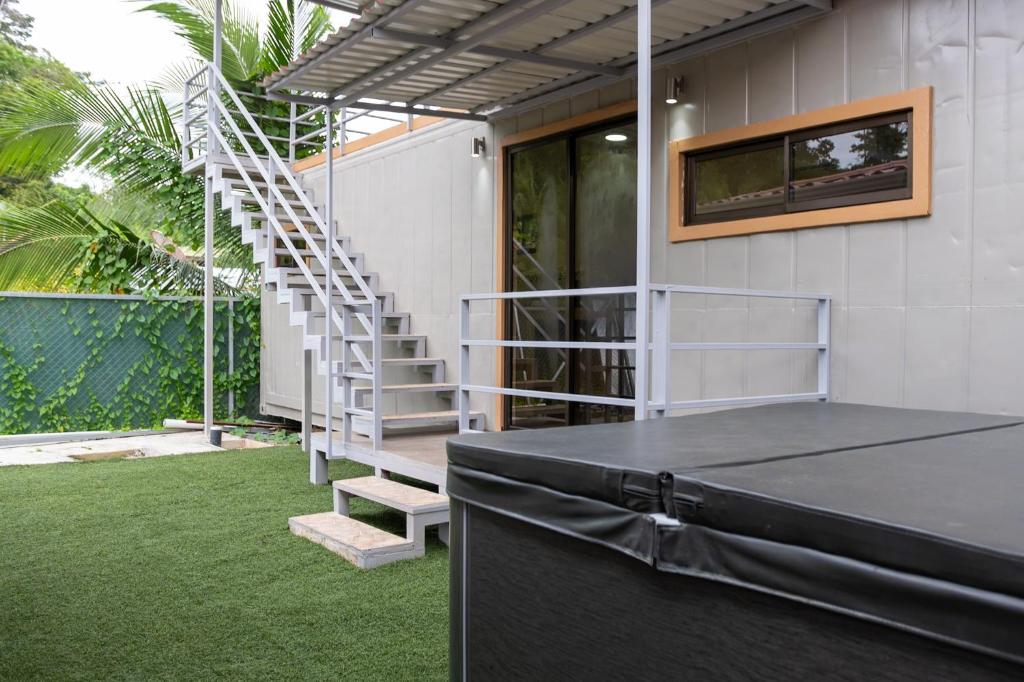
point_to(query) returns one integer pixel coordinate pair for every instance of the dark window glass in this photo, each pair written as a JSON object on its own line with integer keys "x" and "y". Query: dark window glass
{"x": 856, "y": 162}
{"x": 847, "y": 163}
{"x": 744, "y": 180}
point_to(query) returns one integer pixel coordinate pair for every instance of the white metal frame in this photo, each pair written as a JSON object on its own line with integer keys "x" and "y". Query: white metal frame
{"x": 658, "y": 402}
{"x": 230, "y": 134}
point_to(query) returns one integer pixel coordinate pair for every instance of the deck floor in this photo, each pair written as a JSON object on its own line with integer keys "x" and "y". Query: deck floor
{"x": 421, "y": 456}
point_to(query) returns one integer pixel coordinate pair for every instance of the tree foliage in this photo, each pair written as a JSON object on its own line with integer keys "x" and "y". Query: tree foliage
{"x": 53, "y": 120}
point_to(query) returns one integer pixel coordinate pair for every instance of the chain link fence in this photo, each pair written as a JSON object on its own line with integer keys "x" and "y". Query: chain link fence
{"x": 88, "y": 362}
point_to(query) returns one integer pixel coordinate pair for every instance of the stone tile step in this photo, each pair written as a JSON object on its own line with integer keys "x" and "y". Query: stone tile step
{"x": 405, "y": 498}
{"x": 354, "y": 541}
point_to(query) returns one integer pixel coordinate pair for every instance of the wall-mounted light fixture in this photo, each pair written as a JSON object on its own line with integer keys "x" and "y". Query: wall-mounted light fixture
{"x": 674, "y": 89}
{"x": 479, "y": 147}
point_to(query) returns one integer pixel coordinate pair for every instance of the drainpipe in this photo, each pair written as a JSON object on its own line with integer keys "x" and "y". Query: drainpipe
{"x": 213, "y": 92}
{"x": 643, "y": 202}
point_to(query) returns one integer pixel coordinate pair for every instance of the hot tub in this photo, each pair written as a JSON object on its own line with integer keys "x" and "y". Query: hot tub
{"x": 793, "y": 541}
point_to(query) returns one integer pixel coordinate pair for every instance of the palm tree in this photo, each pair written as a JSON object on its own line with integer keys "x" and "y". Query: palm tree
{"x": 131, "y": 138}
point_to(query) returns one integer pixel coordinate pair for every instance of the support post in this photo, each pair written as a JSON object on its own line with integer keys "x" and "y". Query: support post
{"x": 329, "y": 287}
{"x": 307, "y": 400}
{"x": 661, "y": 340}
{"x": 208, "y": 340}
{"x": 209, "y": 208}
{"x": 824, "y": 338}
{"x": 317, "y": 458}
{"x": 231, "y": 354}
{"x": 464, "y": 365}
{"x": 643, "y": 202}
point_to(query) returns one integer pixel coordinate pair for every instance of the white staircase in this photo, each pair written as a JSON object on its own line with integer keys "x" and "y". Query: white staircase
{"x": 383, "y": 380}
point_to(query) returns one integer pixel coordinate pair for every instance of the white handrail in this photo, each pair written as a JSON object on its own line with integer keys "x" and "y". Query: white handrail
{"x": 232, "y": 143}
{"x": 660, "y": 403}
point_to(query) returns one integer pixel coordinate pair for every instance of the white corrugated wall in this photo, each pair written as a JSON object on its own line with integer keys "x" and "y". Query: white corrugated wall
{"x": 928, "y": 312}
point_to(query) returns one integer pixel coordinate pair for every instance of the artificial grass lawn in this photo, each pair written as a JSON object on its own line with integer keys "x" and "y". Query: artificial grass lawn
{"x": 183, "y": 568}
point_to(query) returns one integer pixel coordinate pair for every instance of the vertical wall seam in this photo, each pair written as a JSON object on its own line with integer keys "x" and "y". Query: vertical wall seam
{"x": 905, "y": 224}
{"x": 746, "y": 239}
{"x": 972, "y": 46}
{"x": 793, "y": 269}
{"x": 846, "y": 228}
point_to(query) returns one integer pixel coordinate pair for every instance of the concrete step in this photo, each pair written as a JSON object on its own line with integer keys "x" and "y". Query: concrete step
{"x": 422, "y": 508}
{"x": 355, "y": 541}
{"x": 404, "y": 498}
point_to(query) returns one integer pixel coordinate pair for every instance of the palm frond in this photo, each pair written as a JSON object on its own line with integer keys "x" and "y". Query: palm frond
{"x": 193, "y": 20}
{"x": 59, "y": 247}
{"x": 292, "y": 28}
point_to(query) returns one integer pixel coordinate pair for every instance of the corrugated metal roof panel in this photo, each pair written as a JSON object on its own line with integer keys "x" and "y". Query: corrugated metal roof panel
{"x": 360, "y": 61}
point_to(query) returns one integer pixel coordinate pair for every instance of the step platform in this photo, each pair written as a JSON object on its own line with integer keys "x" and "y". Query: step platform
{"x": 363, "y": 544}
{"x": 355, "y": 541}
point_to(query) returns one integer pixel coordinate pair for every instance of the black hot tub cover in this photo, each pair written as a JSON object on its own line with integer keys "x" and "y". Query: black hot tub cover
{"x": 909, "y": 517}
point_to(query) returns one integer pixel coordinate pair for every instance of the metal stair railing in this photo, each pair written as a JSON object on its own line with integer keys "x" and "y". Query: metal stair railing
{"x": 272, "y": 169}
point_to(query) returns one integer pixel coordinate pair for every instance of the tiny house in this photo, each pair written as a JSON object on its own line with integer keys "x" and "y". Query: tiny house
{"x": 777, "y": 200}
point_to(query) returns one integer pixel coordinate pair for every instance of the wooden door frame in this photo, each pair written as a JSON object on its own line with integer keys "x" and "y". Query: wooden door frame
{"x": 591, "y": 118}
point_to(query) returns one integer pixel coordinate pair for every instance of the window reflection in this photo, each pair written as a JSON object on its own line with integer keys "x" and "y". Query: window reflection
{"x": 745, "y": 180}
{"x": 852, "y": 162}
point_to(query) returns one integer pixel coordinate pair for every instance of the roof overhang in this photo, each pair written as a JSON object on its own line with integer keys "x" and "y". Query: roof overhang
{"x": 486, "y": 59}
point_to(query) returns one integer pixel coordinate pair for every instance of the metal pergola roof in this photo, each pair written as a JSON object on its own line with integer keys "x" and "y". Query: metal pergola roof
{"x": 485, "y": 58}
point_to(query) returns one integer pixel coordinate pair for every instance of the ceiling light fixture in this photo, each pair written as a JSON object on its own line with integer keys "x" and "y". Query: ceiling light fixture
{"x": 615, "y": 137}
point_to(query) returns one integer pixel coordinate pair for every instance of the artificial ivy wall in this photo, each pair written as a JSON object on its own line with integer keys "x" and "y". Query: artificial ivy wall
{"x": 112, "y": 363}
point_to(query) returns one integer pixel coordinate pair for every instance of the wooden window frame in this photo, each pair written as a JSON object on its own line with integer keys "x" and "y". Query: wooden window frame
{"x": 918, "y": 102}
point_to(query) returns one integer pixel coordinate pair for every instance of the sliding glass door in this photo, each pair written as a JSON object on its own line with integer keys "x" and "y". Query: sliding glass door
{"x": 571, "y": 204}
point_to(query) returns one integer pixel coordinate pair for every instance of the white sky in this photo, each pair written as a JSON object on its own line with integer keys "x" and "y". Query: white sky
{"x": 115, "y": 42}
{"x": 111, "y": 39}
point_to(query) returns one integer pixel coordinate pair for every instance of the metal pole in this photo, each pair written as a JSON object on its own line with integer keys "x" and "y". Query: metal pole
{"x": 328, "y": 288}
{"x": 231, "y": 354}
{"x": 213, "y": 91}
{"x": 643, "y": 201}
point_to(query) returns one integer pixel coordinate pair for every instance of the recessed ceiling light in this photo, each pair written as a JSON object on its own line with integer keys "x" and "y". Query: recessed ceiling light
{"x": 615, "y": 137}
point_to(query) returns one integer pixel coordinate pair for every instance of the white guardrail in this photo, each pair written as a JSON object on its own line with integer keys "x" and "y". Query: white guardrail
{"x": 659, "y": 403}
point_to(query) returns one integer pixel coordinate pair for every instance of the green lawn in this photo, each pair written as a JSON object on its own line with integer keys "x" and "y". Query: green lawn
{"x": 183, "y": 568}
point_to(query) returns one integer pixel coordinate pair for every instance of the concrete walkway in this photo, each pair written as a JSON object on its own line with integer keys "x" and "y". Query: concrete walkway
{"x": 158, "y": 445}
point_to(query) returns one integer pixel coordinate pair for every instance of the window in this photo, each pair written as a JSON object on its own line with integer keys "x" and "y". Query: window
{"x": 852, "y": 163}
{"x": 856, "y": 162}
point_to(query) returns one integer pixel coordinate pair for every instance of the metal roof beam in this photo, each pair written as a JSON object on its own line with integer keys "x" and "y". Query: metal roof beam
{"x": 541, "y": 8}
{"x": 728, "y": 33}
{"x": 359, "y": 36}
{"x": 376, "y": 106}
{"x": 600, "y": 25}
{"x": 497, "y": 52}
{"x": 508, "y": 7}
{"x": 350, "y": 6}
{"x": 405, "y": 109}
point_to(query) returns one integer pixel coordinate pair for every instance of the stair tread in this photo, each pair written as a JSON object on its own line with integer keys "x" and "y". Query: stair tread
{"x": 343, "y": 532}
{"x": 414, "y": 416}
{"x": 411, "y": 361}
{"x": 410, "y": 387}
{"x": 405, "y": 498}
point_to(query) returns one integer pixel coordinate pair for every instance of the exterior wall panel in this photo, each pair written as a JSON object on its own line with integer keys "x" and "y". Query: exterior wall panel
{"x": 928, "y": 312}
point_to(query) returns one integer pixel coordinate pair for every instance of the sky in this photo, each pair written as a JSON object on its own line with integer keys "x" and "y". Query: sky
{"x": 111, "y": 39}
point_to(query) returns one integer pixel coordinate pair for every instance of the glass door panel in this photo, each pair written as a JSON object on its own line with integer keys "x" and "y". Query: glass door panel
{"x": 572, "y": 224}
{"x": 604, "y": 255}
{"x": 539, "y": 256}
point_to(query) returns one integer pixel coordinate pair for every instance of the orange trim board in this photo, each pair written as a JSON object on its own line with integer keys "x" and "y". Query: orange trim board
{"x": 918, "y": 101}
{"x": 367, "y": 142}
